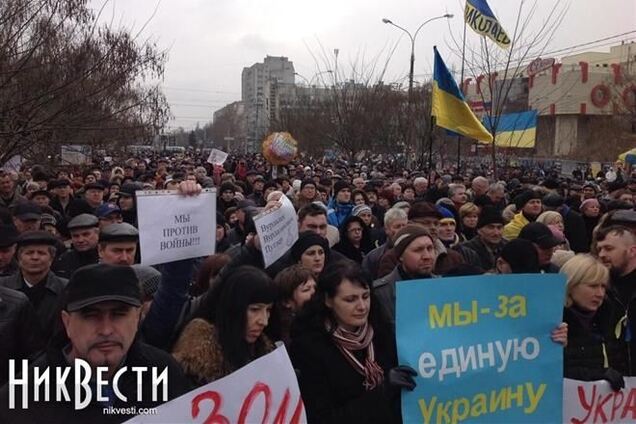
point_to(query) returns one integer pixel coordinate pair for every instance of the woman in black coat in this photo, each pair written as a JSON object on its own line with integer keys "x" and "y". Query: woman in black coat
{"x": 355, "y": 239}
{"x": 344, "y": 357}
{"x": 593, "y": 351}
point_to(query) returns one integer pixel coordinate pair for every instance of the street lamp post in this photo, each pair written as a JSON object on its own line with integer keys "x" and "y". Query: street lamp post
{"x": 412, "y": 37}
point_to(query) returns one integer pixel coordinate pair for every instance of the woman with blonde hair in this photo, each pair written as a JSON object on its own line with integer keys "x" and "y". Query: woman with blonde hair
{"x": 593, "y": 351}
{"x": 554, "y": 221}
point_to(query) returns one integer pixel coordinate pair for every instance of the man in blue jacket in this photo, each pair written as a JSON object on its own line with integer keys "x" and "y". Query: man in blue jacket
{"x": 340, "y": 205}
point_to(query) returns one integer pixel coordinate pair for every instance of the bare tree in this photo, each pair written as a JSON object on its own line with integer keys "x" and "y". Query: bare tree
{"x": 504, "y": 69}
{"x": 65, "y": 79}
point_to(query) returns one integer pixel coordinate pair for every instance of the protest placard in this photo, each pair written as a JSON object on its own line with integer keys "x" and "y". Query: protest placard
{"x": 482, "y": 349}
{"x": 217, "y": 157}
{"x": 265, "y": 390}
{"x": 277, "y": 231}
{"x": 174, "y": 227}
{"x": 596, "y": 402}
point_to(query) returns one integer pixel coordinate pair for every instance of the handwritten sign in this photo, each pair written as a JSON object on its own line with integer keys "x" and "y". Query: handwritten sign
{"x": 277, "y": 231}
{"x": 596, "y": 402}
{"x": 174, "y": 227}
{"x": 265, "y": 390}
{"x": 482, "y": 348}
{"x": 217, "y": 157}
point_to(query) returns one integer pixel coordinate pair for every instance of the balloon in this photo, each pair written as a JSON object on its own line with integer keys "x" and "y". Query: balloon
{"x": 280, "y": 148}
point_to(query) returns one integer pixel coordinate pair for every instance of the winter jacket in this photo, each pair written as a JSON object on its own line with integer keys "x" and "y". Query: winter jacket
{"x": 487, "y": 254}
{"x": 331, "y": 388}
{"x": 592, "y": 345}
{"x": 19, "y": 330}
{"x": 200, "y": 353}
{"x": 139, "y": 355}
{"x": 69, "y": 261}
{"x": 338, "y": 213}
{"x": 47, "y": 305}
{"x": 384, "y": 292}
{"x": 513, "y": 228}
{"x": 622, "y": 298}
{"x": 575, "y": 230}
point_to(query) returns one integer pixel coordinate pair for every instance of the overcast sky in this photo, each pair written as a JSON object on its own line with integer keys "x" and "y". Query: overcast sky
{"x": 210, "y": 41}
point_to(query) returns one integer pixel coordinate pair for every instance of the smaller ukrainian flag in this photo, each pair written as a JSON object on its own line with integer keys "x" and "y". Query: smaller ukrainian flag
{"x": 449, "y": 106}
{"x": 517, "y": 130}
{"x": 480, "y": 18}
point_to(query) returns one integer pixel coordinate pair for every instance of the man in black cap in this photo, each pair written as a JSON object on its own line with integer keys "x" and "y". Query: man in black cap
{"x": 226, "y": 197}
{"x": 27, "y": 216}
{"x": 101, "y": 313}
{"x": 36, "y": 252}
{"x": 237, "y": 234}
{"x": 545, "y": 243}
{"x": 84, "y": 237}
{"x": 8, "y": 239}
{"x": 489, "y": 240}
{"x": 62, "y": 195}
{"x": 573, "y": 223}
{"x": 94, "y": 194}
{"x": 118, "y": 244}
{"x": 529, "y": 207}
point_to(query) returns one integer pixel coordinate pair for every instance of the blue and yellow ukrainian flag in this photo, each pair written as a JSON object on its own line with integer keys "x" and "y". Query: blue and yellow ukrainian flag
{"x": 449, "y": 106}
{"x": 517, "y": 130}
{"x": 480, "y": 18}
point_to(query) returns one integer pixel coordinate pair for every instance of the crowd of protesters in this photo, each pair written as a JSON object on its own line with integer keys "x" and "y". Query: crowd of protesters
{"x": 70, "y": 285}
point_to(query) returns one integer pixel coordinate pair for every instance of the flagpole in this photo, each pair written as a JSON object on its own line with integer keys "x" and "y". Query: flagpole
{"x": 461, "y": 82}
{"x": 430, "y": 149}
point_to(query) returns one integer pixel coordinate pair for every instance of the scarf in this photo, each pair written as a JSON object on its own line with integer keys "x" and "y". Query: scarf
{"x": 350, "y": 341}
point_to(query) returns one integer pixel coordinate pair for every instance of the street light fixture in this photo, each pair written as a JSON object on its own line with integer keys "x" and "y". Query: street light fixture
{"x": 412, "y": 37}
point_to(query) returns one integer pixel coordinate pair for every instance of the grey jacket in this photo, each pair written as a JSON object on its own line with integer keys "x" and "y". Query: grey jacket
{"x": 384, "y": 294}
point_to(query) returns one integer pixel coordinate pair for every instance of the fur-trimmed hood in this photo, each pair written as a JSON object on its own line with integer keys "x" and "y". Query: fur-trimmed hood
{"x": 200, "y": 354}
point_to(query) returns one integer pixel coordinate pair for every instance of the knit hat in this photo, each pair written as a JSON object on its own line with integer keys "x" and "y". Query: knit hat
{"x": 589, "y": 203}
{"x": 524, "y": 197}
{"x": 306, "y": 239}
{"x": 521, "y": 256}
{"x": 490, "y": 215}
{"x": 358, "y": 209}
{"x": 424, "y": 210}
{"x": 149, "y": 279}
{"x": 406, "y": 235}
{"x": 340, "y": 185}
{"x": 446, "y": 214}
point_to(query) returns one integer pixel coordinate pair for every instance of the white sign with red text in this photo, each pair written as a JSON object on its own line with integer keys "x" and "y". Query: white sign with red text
{"x": 263, "y": 391}
{"x": 596, "y": 402}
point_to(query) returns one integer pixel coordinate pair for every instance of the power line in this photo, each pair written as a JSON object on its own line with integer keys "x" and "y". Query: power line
{"x": 199, "y": 90}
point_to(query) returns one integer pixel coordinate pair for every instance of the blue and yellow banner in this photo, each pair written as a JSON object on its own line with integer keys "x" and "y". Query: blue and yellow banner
{"x": 517, "y": 130}
{"x": 449, "y": 106}
{"x": 482, "y": 349}
{"x": 480, "y": 18}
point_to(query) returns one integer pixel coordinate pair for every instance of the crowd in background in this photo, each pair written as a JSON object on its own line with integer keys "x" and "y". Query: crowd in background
{"x": 69, "y": 255}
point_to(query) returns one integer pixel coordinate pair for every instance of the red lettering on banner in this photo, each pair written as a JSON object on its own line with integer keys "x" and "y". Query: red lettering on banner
{"x": 600, "y": 412}
{"x": 217, "y": 400}
{"x": 282, "y": 409}
{"x": 588, "y": 407}
{"x": 630, "y": 405}
{"x": 617, "y": 403}
{"x": 298, "y": 412}
{"x": 251, "y": 397}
